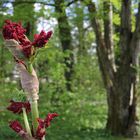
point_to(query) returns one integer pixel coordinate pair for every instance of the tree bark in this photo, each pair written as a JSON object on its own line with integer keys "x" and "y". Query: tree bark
{"x": 120, "y": 82}
{"x": 65, "y": 39}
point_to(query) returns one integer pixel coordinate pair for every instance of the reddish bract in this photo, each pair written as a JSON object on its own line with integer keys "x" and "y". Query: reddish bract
{"x": 12, "y": 30}
{"x": 41, "y": 39}
{"x": 42, "y": 124}
{"x": 15, "y": 31}
{"x": 16, "y": 126}
{"x": 16, "y": 107}
{"x": 49, "y": 118}
{"x": 41, "y": 129}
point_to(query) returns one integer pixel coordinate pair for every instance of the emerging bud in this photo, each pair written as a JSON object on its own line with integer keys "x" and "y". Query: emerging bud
{"x": 12, "y": 30}
{"x": 41, "y": 39}
{"x": 15, "y": 31}
{"x": 40, "y": 133}
{"x": 16, "y": 107}
{"x": 16, "y": 126}
{"x": 44, "y": 123}
{"x": 49, "y": 118}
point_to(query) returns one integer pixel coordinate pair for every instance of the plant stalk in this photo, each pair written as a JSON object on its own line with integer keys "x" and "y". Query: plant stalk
{"x": 35, "y": 114}
{"x": 26, "y": 122}
{"x": 29, "y": 67}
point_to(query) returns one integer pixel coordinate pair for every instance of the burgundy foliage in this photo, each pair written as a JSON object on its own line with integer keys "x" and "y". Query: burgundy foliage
{"x": 41, "y": 39}
{"x": 49, "y": 118}
{"x": 41, "y": 129}
{"x": 42, "y": 124}
{"x": 16, "y": 126}
{"x": 12, "y": 30}
{"x": 16, "y": 107}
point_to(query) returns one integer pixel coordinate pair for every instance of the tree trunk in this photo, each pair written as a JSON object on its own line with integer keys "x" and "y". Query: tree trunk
{"x": 65, "y": 39}
{"x": 121, "y": 81}
{"x": 122, "y": 107}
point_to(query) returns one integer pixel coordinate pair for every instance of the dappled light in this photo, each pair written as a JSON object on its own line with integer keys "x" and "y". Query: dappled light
{"x": 69, "y": 69}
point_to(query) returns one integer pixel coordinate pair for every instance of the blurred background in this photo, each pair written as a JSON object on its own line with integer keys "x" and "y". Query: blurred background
{"x": 68, "y": 71}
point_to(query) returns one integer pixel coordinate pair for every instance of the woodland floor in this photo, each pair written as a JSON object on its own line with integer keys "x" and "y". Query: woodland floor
{"x": 82, "y": 116}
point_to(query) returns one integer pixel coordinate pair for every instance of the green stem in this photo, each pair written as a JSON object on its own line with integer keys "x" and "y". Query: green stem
{"x": 29, "y": 67}
{"x": 35, "y": 115}
{"x": 27, "y": 126}
{"x": 43, "y": 138}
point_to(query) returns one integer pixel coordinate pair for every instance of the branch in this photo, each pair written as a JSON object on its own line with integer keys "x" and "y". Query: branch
{"x": 94, "y": 21}
{"x": 105, "y": 63}
{"x": 135, "y": 44}
{"x": 28, "y": 2}
{"x": 125, "y": 34}
{"x": 108, "y": 30}
{"x": 33, "y": 2}
{"x": 73, "y": 1}
{"x": 126, "y": 14}
{"x": 137, "y": 30}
